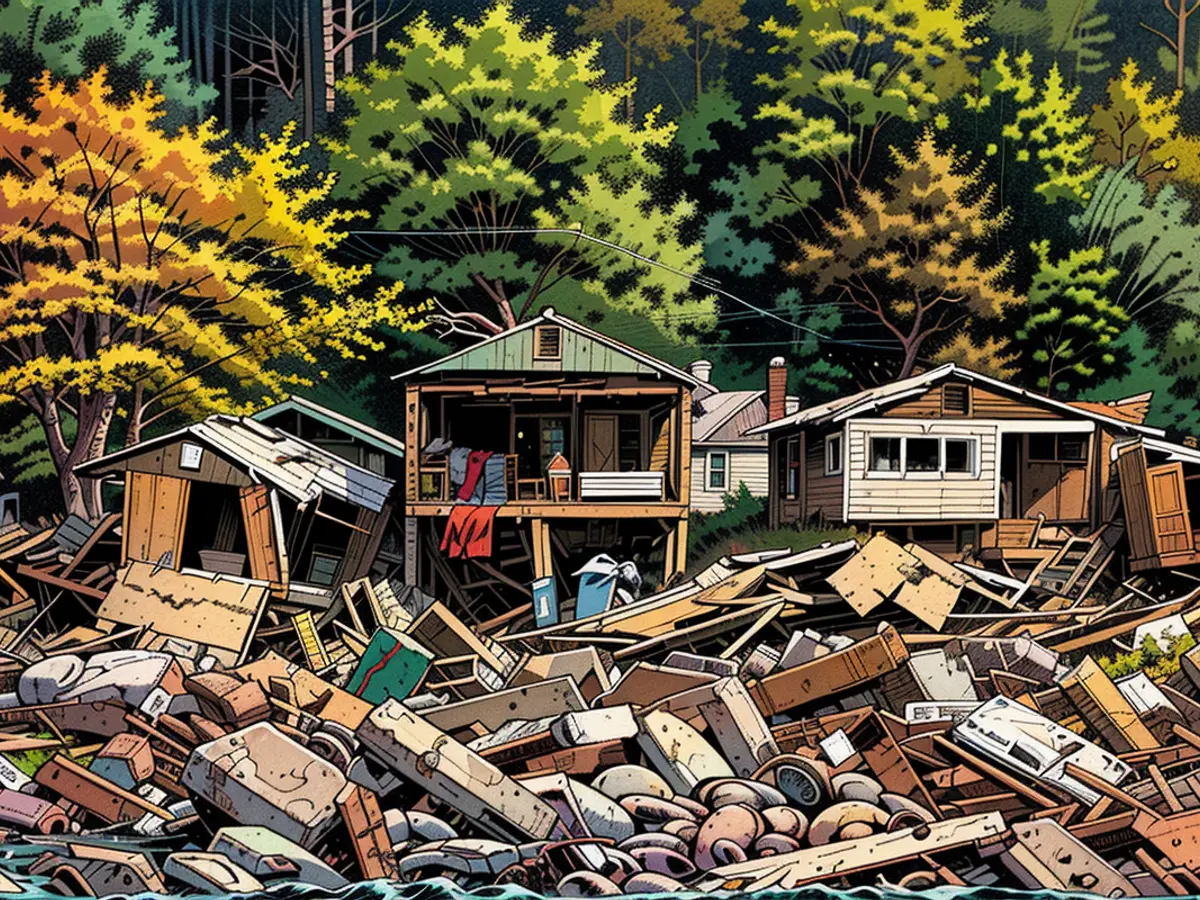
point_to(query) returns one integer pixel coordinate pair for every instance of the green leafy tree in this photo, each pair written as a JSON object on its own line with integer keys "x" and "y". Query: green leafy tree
{"x": 912, "y": 255}
{"x": 1173, "y": 404}
{"x": 713, "y": 23}
{"x": 1036, "y": 125}
{"x": 851, "y": 69}
{"x": 643, "y": 29}
{"x": 125, "y": 38}
{"x": 1070, "y": 333}
{"x": 1074, "y": 33}
{"x": 482, "y": 133}
{"x": 1150, "y": 238}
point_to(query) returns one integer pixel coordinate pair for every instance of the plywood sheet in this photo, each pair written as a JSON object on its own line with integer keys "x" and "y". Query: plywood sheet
{"x": 220, "y": 610}
{"x": 873, "y": 575}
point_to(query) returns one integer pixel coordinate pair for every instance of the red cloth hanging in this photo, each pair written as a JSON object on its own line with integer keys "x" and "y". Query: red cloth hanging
{"x": 469, "y": 532}
{"x": 475, "y": 464}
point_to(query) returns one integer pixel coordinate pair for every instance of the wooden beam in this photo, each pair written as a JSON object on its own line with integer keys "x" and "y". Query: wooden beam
{"x": 543, "y": 553}
{"x": 546, "y": 509}
{"x": 105, "y": 525}
{"x": 59, "y": 582}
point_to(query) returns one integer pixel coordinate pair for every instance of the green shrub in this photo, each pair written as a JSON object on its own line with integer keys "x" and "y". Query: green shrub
{"x": 1149, "y": 658}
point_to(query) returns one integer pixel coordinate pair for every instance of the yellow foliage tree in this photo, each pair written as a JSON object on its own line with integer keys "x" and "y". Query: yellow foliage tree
{"x": 144, "y": 274}
{"x": 1136, "y": 123}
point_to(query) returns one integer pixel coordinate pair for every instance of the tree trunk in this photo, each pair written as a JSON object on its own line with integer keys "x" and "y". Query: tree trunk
{"x": 328, "y": 62}
{"x": 81, "y": 496}
{"x": 228, "y": 61}
{"x": 699, "y": 78}
{"x": 629, "y": 66}
{"x": 1180, "y": 43}
{"x": 348, "y": 53}
{"x": 210, "y": 42}
{"x": 194, "y": 49}
{"x": 374, "y": 29}
{"x": 310, "y": 90}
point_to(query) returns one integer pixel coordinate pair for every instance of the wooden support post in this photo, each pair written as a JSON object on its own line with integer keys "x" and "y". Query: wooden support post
{"x": 676, "y": 551}
{"x": 543, "y": 554}
{"x": 412, "y": 444}
{"x": 684, "y": 436}
{"x": 412, "y": 555}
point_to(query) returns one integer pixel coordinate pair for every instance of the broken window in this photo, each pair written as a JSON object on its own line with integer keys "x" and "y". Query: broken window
{"x": 718, "y": 471}
{"x": 322, "y": 568}
{"x": 1058, "y": 447}
{"x": 833, "y": 454}
{"x": 885, "y": 454}
{"x": 924, "y": 455}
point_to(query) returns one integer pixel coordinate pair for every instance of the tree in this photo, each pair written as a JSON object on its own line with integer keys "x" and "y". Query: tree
{"x": 1070, "y": 332}
{"x": 911, "y": 255}
{"x": 1038, "y": 127}
{"x": 1070, "y": 31}
{"x": 857, "y": 67}
{"x": 1135, "y": 124}
{"x": 137, "y": 282}
{"x": 481, "y": 135}
{"x": 1176, "y": 46}
{"x": 1151, "y": 239}
{"x": 72, "y": 41}
{"x": 641, "y": 28}
{"x": 714, "y": 23}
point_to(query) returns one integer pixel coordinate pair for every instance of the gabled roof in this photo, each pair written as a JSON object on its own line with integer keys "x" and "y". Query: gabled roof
{"x": 726, "y": 416}
{"x": 334, "y": 419}
{"x": 584, "y": 350}
{"x": 873, "y": 398}
{"x": 297, "y": 468}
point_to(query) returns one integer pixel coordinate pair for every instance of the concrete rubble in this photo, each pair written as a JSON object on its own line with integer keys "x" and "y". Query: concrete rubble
{"x": 860, "y": 713}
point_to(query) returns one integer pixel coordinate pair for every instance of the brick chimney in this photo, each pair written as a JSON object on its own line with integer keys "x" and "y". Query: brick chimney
{"x": 777, "y": 377}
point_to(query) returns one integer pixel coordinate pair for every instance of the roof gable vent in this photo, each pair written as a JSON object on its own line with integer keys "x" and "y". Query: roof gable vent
{"x": 547, "y": 343}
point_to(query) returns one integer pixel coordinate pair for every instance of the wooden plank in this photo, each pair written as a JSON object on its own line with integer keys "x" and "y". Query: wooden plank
{"x": 58, "y": 582}
{"x": 262, "y": 542}
{"x": 995, "y": 773}
{"x": 368, "y": 833}
{"x": 1104, "y": 708}
{"x": 106, "y": 525}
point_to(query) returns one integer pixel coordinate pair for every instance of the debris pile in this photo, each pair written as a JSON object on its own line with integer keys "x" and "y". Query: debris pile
{"x": 850, "y": 714}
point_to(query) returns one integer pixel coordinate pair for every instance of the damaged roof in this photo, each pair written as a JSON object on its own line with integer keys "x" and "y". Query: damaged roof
{"x": 726, "y": 416}
{"x": 334, "y": 419}
{"x": 299, "y": 469}
{"x": 873, "y": 398}
{"x": 582, "y": 350}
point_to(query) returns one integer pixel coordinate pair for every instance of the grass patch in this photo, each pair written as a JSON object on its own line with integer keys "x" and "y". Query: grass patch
{"x": 1156, "y": 662}
{"x": 742, "y": 528}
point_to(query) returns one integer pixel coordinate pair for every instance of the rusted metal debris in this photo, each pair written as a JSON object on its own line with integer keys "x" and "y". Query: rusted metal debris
{"x": 849, "y": 714}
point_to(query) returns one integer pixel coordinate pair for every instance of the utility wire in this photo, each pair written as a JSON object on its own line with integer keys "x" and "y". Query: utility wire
{"x": 579, "y": 234}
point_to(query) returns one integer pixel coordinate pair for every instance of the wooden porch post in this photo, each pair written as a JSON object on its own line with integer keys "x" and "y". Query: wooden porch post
{"x": 543, "y": 559}
{"x": 685, "y": 450}
{"x": 676, "y": 551}
{"x": 412, "y": 482}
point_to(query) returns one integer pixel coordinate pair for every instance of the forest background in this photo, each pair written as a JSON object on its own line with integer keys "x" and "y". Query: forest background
{"x": 207, "y": 204}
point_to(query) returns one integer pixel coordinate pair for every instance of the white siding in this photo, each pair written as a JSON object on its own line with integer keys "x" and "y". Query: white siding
{"x": 872, "y": 497}
{"x": 748, "y": 466}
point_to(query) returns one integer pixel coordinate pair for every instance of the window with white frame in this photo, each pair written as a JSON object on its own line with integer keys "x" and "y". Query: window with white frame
{"x": 718, "y": 471}
{"x": 833, "y": 454}
{"x": 923, "y": 457}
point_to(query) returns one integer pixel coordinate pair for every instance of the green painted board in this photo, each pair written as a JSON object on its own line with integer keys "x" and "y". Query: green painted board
{"x": 391, "y": 667}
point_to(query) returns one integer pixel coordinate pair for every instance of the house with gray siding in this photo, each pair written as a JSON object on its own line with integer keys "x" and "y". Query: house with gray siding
{"x": 724, "y": 456}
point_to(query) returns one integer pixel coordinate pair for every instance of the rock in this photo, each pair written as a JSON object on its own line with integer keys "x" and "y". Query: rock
{"x": 655, "y": 810}
{"x": 652, "y": 883}
{"x": 586, "y": 884}
{"x": 655, "y": 839}
{"x": 726, "y": 852}
{"x": 898, "y": 803}
{"x": 735, "y": 790}
{"x": 405, "y": 825}
{"x": 663, "y": 861}
{"x": 856, "y": 786}
{"x": 684, "y": 829}
{"x": 738, "y": 824}
{"x": 621, "y": 781}
{"x": 604, "y": 817}
{"x": 786, "y": 820}
{"x": 831, "y": 821}
{"x": 773, "y": 844}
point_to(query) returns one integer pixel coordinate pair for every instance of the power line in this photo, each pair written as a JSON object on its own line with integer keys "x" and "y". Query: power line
{"x": 705, "y": 282}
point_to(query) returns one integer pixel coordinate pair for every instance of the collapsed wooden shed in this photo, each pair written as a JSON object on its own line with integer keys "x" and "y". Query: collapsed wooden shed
{"x": 233, "y": 496}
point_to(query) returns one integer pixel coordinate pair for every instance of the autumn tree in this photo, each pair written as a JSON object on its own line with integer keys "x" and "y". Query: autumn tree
{"x": 1070, "y": 334}
{"x": 143, "y": 274}
{"x": 712, "y": 24}
{"x": 911, "y": 254}
{"x": 643, "y": 29}
{"x": 1136, "y": 123}
{"x": 75, "y": 40}
{"x": 852, "y": 69}
{"x": 482, "y": 136}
